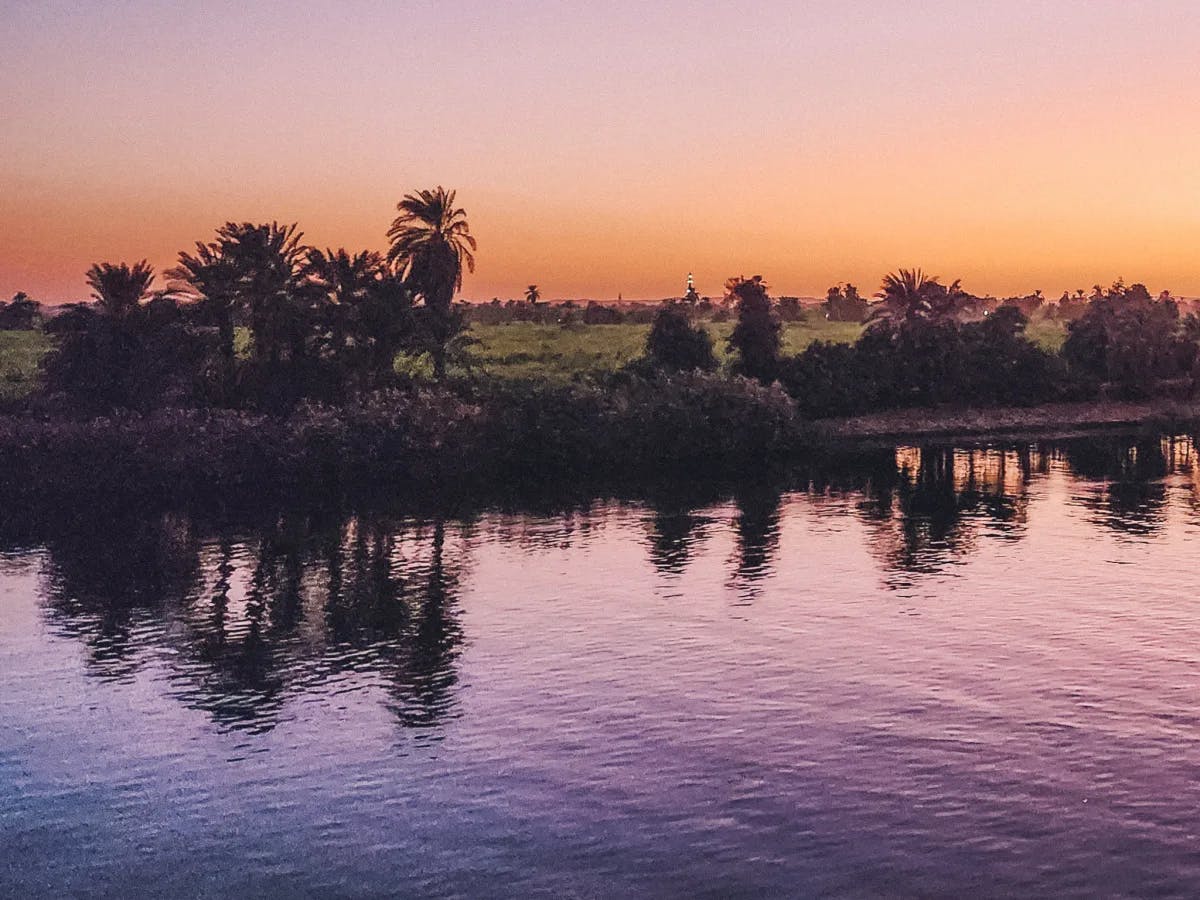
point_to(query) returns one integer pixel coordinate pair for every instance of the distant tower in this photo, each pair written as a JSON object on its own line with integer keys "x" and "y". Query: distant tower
{"x": 691, "y": 296}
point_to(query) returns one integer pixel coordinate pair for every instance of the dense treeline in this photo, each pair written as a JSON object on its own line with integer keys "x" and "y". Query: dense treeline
{"x": 928, "y": 344}
{"x": 321, "y": 324}
{"x": 267, "y": 361}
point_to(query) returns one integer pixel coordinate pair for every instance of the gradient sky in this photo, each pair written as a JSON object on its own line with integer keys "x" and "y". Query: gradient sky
{"x": 610, "y": 147}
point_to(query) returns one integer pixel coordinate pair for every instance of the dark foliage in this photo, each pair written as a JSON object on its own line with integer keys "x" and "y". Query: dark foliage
{"x": 676, "y": 343}
{"x": 924, "y": 362}
{"x": 20, "y": 313}
{"x": 827, "y": 380}
{"x": 790, "y": 310}
{"x": 431, "y": 243}
{"x": 756, "y": 337}
{"x": 842, "y": 304}
{"x": 143, "y": 359}
{"x": 413, "y": 441}
{"x": 1131, "y": 342}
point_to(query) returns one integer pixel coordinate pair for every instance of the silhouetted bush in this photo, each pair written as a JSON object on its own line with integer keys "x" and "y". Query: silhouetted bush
{"x": 844, "y": 305}
{"x": 599, "y": 314}
{"x": 146, "y": 359}
{"x": 922, "y": 362}
{"x": 1001, "y": 365}
{"x": 1130, "y": 341}
{"x": 756, "y": 337}
{"x": 20, "y": 314}
{"x": 676, "y": 343}
{"x": 790, "y": 310}
{"x": 418, "y": 441}
{"x": 827, "y": 379}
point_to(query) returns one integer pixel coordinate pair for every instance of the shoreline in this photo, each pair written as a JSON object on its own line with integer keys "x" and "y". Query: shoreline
{"x": 450, "y": 448}
{"x": 1048, "y": 421}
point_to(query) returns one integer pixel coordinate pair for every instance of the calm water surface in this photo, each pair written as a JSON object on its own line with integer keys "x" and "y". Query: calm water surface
{"x": 930, "y": 672}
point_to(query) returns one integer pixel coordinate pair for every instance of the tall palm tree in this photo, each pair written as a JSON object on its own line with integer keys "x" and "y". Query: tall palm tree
{"x": 430, "y": 242}
{"x": 119, "y": 289}
{"x": 532, "y": 294}
{"x": 266, "y": 261}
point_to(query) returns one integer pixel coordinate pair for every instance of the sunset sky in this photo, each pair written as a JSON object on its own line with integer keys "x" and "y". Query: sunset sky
{"x": 610, "y": 147}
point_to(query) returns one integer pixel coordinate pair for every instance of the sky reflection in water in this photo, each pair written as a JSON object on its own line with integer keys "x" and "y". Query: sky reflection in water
{"x": 922, "y": 670}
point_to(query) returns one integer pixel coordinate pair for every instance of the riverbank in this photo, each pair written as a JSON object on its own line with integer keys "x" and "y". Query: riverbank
{"x": 1049, "y": 420}
{"x": 494, "y": 440}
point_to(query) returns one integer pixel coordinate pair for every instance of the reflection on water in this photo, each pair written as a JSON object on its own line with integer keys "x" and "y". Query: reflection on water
{"x": 919, "y": 670}
{"x": 245, "y": 622}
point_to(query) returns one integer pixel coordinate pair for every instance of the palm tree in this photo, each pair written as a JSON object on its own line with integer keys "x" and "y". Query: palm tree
{"x": 253, "y": 269}
{"x": 430, "y": 242}
{"x": 207, "y": 279}
{"x": 910, "y": 294}
{"x": 266, "y": 262}
{"x": 368, "y": 307}
{"x": 532, "y": 294}
{"x": 119, "y": 289}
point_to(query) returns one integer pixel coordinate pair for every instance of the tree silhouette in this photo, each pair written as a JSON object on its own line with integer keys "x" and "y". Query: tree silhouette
{"x": 20, "y": 314}
{"x": 674, "y": 342}
{"x": 119, "y": 289}
{"x": 266, "y": 261}
{"x": 366, "y": 310}
{"x": 844, "y": 304}
{"x": 532, "y": 294}
{"x": 756, "y": 337}
{"x": 430, "y": 242}
{"x": 207, "y": 278}
{"x": 910, "y": 294}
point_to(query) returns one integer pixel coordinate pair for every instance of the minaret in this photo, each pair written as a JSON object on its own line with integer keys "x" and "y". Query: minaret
{"x": 691, "y": 296}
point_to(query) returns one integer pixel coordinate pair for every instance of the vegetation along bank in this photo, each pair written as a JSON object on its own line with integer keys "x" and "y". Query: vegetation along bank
{"x": 264, "y": 363}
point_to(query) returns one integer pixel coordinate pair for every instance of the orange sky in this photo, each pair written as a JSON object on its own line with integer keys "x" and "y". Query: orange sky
{"x": 598, "y": 151}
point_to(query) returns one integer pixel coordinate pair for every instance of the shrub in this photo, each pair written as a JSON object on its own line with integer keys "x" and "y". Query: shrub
{"x": 1129, "y": 340}
{"x": 756, "y": 337}
{"x": 844, "y": 305}
{"x": 925, "y": 362}
{"x": 1001, "y": 365}
{"x": 20, "y": 314}
{"x": 826, "y": 380}
{"x": 675, "y": 343}
{"x": 145, "y": 359}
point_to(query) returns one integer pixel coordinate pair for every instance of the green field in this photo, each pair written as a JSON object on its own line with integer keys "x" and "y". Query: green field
{"x": 515, "y": 350}
{"x": 20, "y": 352}
{"x": 525, "y": 350}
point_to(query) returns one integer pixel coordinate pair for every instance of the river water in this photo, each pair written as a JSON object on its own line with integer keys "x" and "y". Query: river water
{"x": 931, "y": 671}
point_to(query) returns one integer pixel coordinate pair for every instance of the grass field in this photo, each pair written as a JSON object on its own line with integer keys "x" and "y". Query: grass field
{"x": 525, "y": 350}
{"x": 20, "y": 352}
{"x": 516, "y": 350}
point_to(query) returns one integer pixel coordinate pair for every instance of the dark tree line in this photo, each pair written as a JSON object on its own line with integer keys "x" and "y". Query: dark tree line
{"x": 320, "y": 323}
{"x": 20, "y": 313}
{"x": 927, "y": 344}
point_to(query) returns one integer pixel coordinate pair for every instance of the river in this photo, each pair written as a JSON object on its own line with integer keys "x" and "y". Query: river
{"x": 933, "y": 671}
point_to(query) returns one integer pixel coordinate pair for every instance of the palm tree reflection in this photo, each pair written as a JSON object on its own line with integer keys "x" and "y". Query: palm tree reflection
{"x": 243, "y": 626}
{"x": 110, "y": 581}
